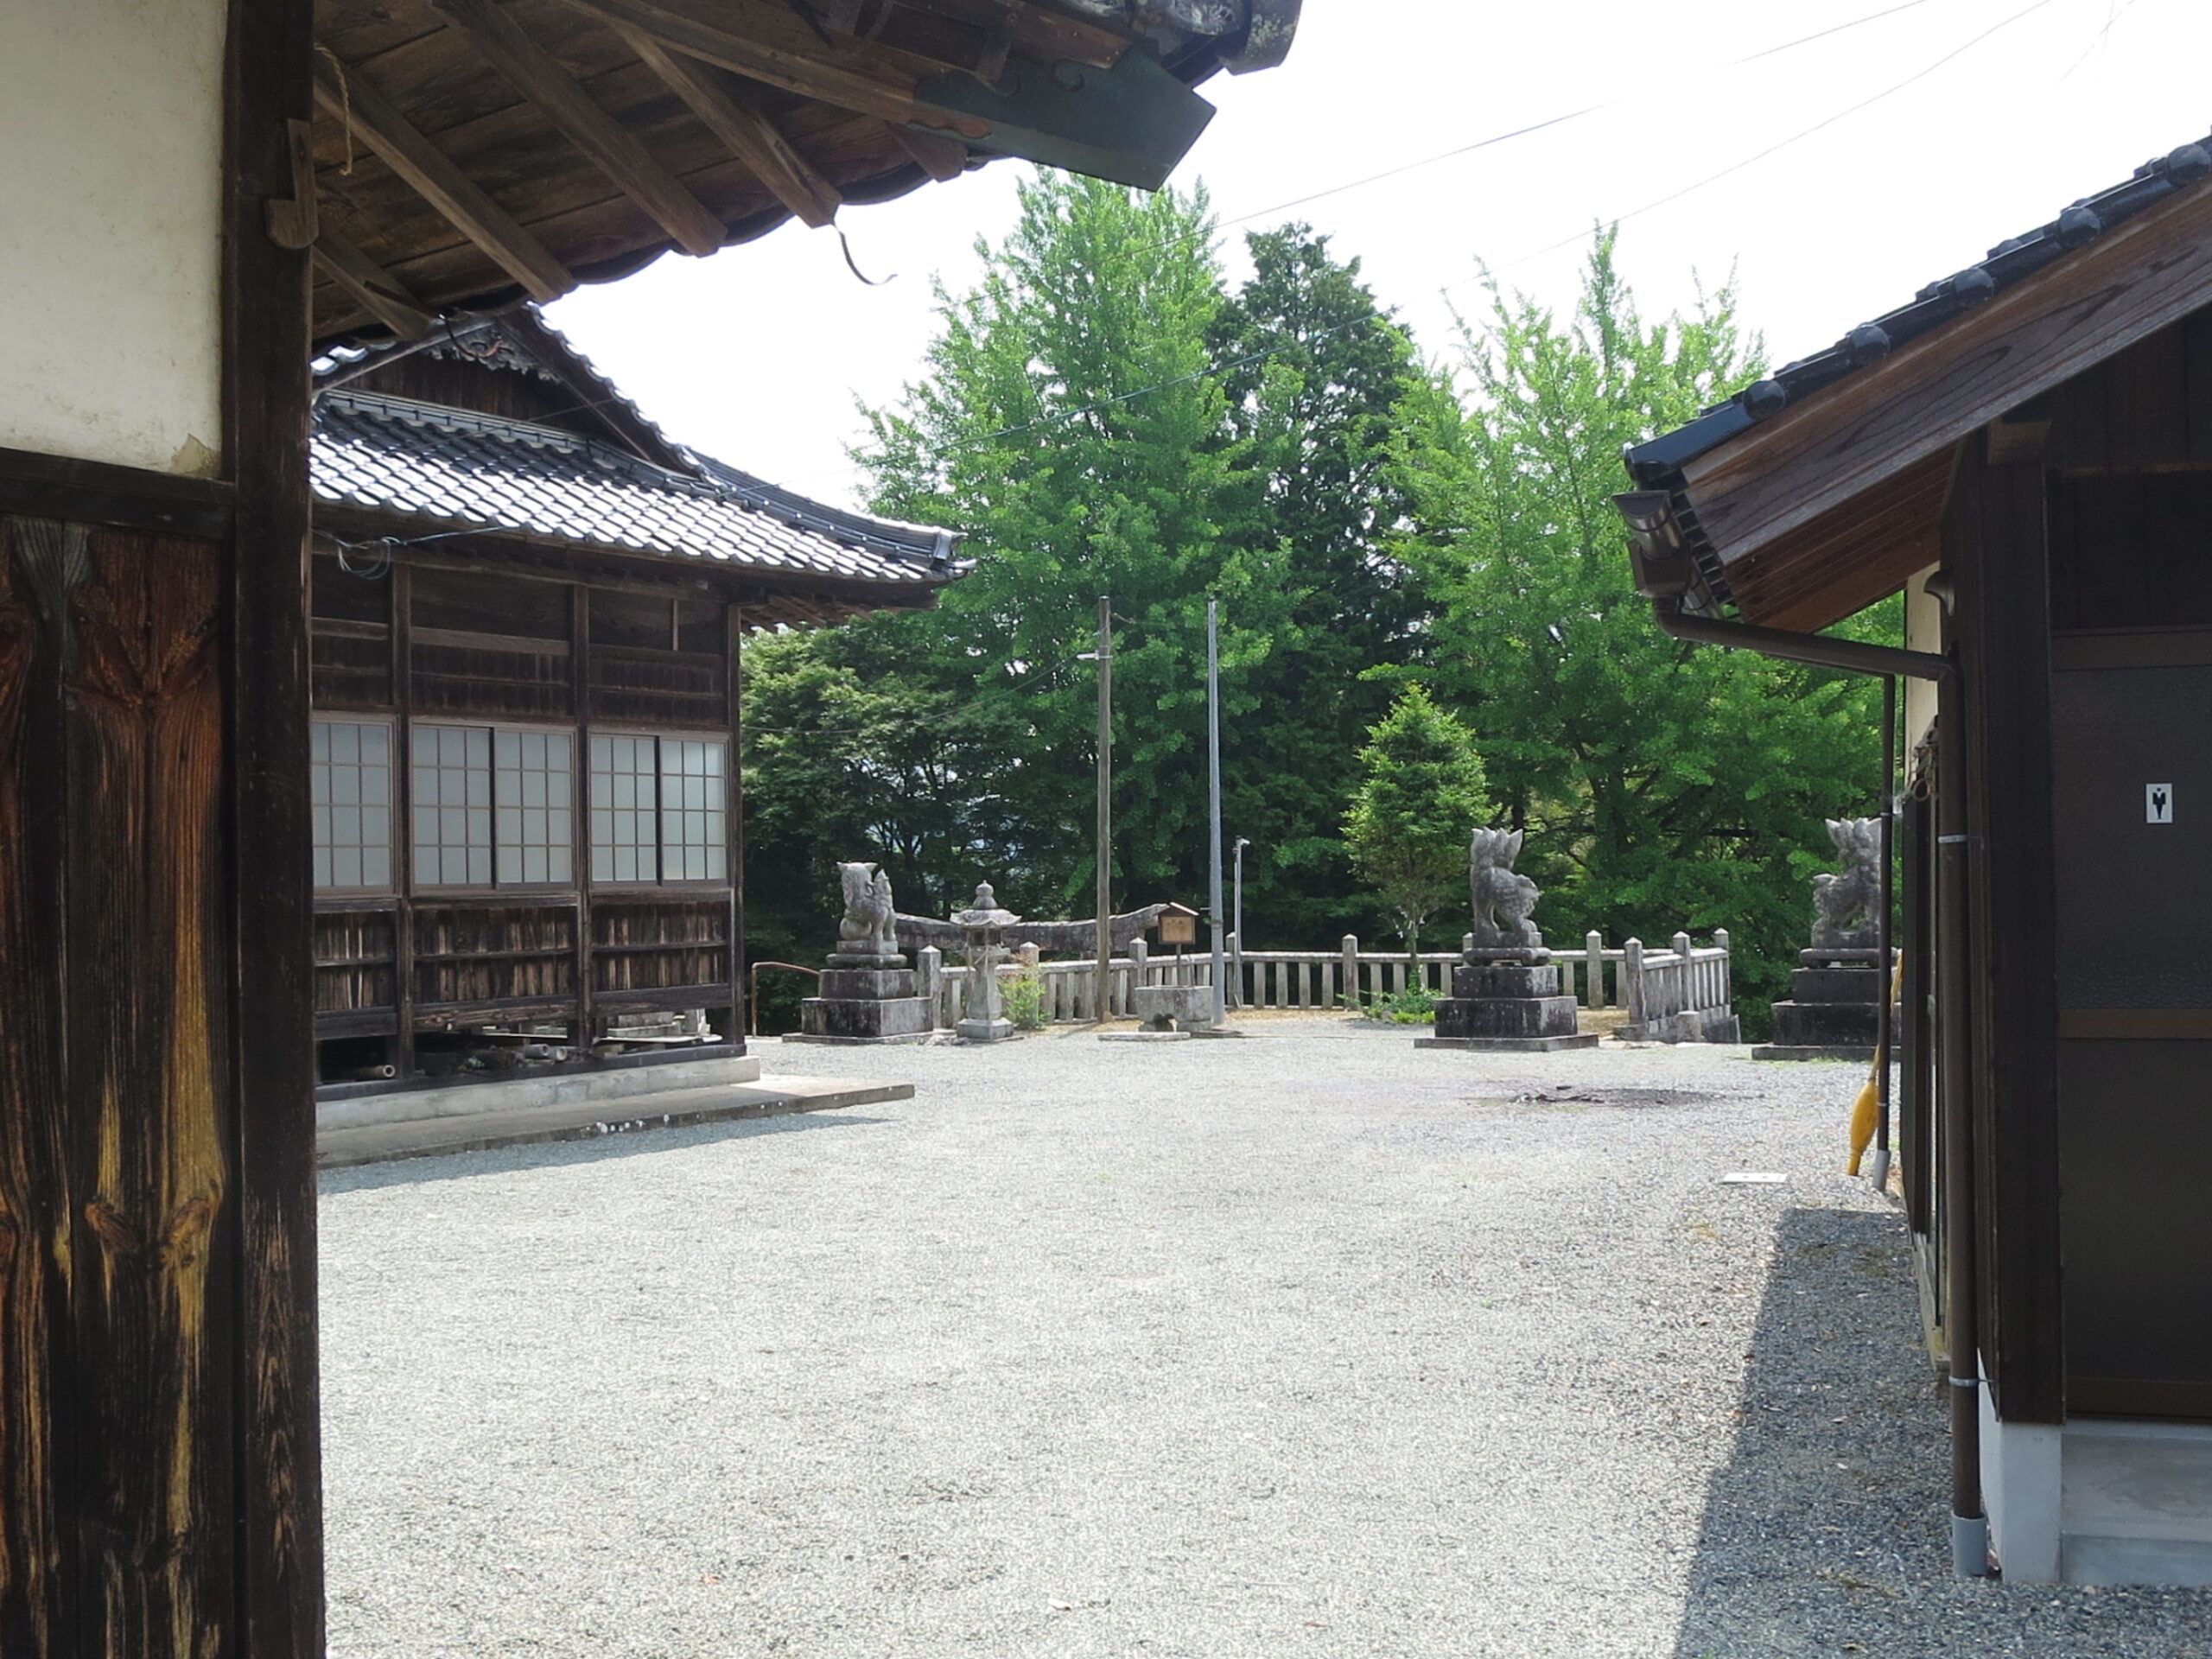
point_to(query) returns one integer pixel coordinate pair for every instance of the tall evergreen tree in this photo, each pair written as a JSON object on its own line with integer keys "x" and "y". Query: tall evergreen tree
{"x": 1421, "y": 795}
{"x": 1315, "y": 373}
{"x": 1663, "y": 785}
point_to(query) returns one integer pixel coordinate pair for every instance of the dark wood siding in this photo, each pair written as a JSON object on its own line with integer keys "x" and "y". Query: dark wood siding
{"x": 486, "y": 646}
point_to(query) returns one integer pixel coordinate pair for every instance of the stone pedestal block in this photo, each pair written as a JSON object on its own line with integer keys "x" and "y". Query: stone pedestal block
{"x": 1836, "y": 985}
{"x": 1487, "y": 981}
{"x": 1181, "y": 1007}
{"x": 860, "y": 1019}
{"x": 1833, "y": 1011}
{"x": 1535, "y": 1019}
{"x": 867, "y": 984}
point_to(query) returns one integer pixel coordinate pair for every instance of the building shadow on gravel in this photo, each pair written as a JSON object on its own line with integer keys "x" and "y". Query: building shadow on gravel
{"x": 562, "y": 1154}
{"x": 1828, "y": 1529}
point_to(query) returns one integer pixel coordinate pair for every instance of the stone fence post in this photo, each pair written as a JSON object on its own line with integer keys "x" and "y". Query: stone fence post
{"x": 1632, "y": 979}
{"x": 929, "y": 981}
{"x": 1350, "y": 949}
{"x": 1593, "y": 951}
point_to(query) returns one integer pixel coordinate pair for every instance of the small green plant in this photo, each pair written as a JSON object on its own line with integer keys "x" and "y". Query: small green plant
{"x": 1023, "y": 995}
{"x": 1414, "y": 1006}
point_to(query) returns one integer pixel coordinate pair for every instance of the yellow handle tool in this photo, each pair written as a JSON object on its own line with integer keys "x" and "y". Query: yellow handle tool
{"x": 1866, "y": 1111}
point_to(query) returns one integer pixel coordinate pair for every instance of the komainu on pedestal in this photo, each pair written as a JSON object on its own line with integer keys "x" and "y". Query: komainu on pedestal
{"x": 1836, "y": 991}
{"x": 1506, "y": 992}
{"x": 868, "y": 990}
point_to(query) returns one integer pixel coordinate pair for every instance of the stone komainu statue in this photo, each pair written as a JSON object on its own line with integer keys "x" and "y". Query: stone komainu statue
{"x": 1844, "y": 904}
{"x": 866, "y": 930}
{"x": 1504, "y": 899}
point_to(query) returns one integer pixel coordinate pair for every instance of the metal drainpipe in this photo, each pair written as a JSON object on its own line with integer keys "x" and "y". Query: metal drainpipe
{"x": 1961, "y": 1316}
{"x": 1884, "y": 1035}
{"x": 1969, "y": 1524}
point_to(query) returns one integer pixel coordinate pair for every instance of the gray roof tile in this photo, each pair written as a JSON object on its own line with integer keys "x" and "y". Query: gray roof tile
{"x": 458, "y": 467}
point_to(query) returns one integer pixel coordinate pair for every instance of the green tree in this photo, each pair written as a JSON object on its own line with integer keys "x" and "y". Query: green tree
{"x": 1663, "y": 785}
{"x": 1421, "y": 796}
{"x": 1315, "y": 373}
{"x": 1069, "y": 423}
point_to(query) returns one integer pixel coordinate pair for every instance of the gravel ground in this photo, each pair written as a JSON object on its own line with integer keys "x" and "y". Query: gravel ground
{"x": 1310, "y": 1345}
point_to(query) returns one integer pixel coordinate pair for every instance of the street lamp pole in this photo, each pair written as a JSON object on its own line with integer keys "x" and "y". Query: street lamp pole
{"x": 1213, "y": 799}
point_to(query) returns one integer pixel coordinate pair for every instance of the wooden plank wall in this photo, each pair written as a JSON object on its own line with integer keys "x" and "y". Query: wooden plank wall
{"x": 1996, "y": 541}
{"x": 459, "y": 644}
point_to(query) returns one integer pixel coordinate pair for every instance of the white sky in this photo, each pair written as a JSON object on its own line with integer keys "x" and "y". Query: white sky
{"x": 756, "y": 355}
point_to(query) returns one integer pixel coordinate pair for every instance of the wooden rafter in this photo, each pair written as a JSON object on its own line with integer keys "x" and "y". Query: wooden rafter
{"x": 1038, "y": 32}
{"x": 941, "y": 158}
{"x": 386, "y": 296}
{"x": 348, "y": 96}
{"x": 612, "y": 147}
{"x": 748, "y": 134}
{"x": 777, "y": 51}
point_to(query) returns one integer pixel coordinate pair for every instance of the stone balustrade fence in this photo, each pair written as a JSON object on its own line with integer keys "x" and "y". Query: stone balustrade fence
{"x": 1679, "y": 994}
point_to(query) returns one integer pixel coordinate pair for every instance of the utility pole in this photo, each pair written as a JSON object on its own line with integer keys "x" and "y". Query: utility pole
{"x": 1213, "y": 801}
{"x": 1102, "y": 1005}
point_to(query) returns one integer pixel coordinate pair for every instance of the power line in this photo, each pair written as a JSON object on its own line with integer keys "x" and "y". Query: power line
{"x": 1524, "y": 131}
{"x": 1780, "y": 144}
{"x": 1213, "y": 370}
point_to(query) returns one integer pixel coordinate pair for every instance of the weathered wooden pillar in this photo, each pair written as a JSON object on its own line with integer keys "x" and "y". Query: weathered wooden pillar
{"x": 159, "y": 1491}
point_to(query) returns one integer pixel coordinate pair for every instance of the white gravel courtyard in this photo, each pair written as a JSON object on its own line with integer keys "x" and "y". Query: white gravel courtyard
{"x": 1315, "y": 1344}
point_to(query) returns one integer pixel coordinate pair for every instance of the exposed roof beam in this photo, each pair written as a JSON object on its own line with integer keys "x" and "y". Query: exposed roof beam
{"x": 748, "y": 135}
{"x": 939, "y": 158}
{"x": 775, "y": 49}
{"x": 1039, "y": 31}
{"x": 386, "y": 296}
{"x": 349, "y": 99}
{"x": 613, "y": 147}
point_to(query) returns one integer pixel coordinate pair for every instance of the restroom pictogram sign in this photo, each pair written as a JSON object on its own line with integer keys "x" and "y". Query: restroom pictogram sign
{"x": 2158, "y": 803}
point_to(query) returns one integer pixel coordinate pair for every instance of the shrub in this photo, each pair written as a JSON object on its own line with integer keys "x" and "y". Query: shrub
{"x": 1414, "y": 1006}
{"x": 1023, "y": 996}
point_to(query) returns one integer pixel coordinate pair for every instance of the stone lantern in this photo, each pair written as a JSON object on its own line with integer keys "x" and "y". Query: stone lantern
{"x": 985, "y": 925}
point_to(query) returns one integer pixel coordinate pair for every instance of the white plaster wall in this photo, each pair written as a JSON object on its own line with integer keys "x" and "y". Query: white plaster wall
{"x": 1924, "y": 630}
{"x": 110, "y": 251}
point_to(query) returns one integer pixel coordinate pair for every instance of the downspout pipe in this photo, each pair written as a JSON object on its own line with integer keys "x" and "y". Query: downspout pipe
{"x": 1962, "y": 1270}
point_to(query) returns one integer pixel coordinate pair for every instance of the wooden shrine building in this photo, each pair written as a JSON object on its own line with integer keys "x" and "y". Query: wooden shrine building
{"x": 527, "y": 605}
{"x": 2026, "y": 450}
{"x": 201, "y": 195}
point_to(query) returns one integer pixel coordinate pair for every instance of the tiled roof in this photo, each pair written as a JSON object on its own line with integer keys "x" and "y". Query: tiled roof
{"x": 454, "y": 466}
{"x": 1657, "y": 464}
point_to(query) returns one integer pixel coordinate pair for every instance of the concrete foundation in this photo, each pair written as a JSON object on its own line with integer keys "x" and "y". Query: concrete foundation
{"x": 2098, "y": 1500}
{"x": 465, "y": 1099}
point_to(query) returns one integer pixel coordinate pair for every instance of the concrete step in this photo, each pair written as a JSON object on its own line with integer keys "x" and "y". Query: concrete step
{"x": 343, "y": 1146}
